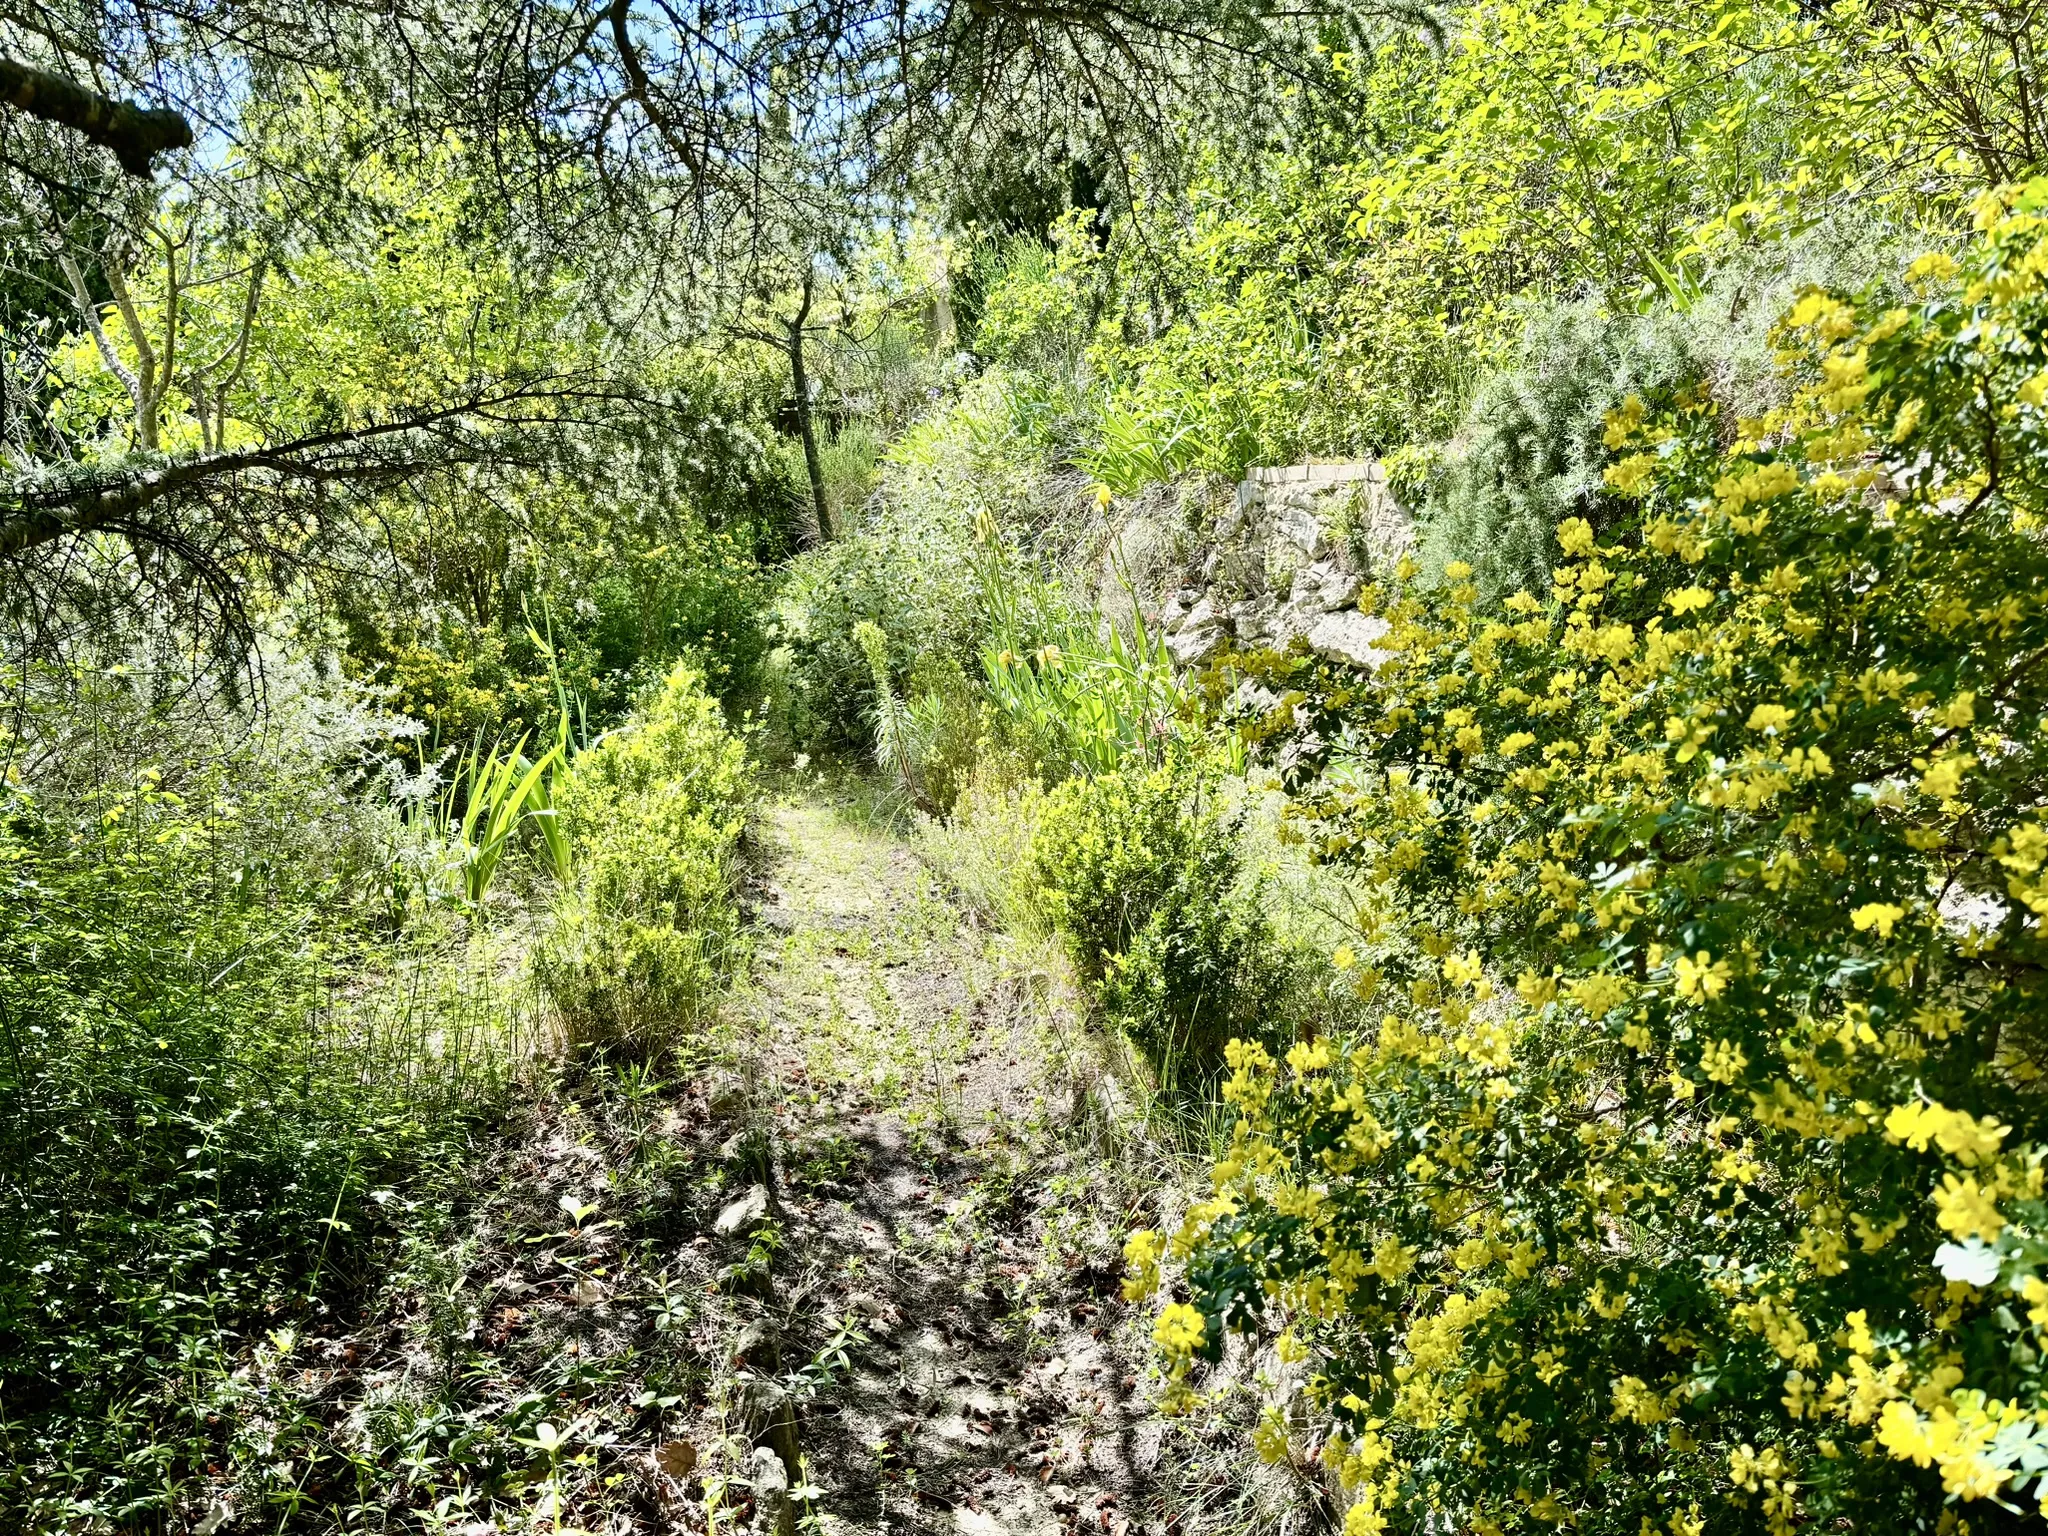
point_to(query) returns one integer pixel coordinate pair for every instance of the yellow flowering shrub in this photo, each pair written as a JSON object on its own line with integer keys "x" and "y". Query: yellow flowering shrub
{"x": 1693, "y": 1181}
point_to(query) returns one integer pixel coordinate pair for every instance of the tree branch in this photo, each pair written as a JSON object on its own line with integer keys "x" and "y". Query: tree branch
{"x": 41, "y": 515}
{"x": 90, "y": 313}
{"x": 134, "y": 133}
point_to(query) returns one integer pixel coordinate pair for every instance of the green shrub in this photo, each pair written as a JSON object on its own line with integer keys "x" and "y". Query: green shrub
{"x": 1039, "y": 300}
{"x": 902, "y": 566}
{"x": 1141, "y": 875}
{"x": 929, "y": 744}
{"x": 983, "y": 845}
{"x": 1137, "y": 443}
{"x": 649, "y": 931}
{"x": 1528, "y": 453}
{"x": 1694, "y": 1180}
{"x": 945, "y": 727}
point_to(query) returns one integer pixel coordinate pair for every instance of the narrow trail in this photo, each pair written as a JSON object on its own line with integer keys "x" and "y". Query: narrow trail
{"x": 932, "y": 1195}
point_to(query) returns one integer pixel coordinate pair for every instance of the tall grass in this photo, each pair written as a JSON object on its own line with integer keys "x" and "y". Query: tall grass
{"x": 1083, "y": 694}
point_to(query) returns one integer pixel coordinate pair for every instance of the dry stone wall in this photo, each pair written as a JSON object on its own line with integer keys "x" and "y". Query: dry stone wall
{"x": 1289, "y": 559}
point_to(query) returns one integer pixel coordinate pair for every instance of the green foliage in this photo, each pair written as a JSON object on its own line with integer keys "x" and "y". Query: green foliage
{"x": 1039, "y": 300}
{"x": 1073, "y": 691}
{"x": 945, "y": 728}
{"x": 930, "y": 743}
{"x": 1732, "y": 1212}
{"x": 1140, "y": 444}
{"x": 1346, "y": 290}
{"x": 892, "y": 747}
{"x": 1529, "y": 454}
{"x": 500, "y": 793}
{"x": 1141, "y": 874}
{"x": 905, "y": 565}
{"x": 649, "y": 931}
{"x": 216, "y": 1067}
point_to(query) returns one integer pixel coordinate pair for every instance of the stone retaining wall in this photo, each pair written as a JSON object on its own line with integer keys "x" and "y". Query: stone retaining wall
{"x": 1289, "y": 559}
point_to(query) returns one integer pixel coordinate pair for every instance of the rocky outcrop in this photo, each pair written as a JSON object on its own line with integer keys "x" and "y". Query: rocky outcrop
{"x": 1288, "y": 559}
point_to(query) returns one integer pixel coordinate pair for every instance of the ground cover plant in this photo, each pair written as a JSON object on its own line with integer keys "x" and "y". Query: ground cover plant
{"x": 219, "y": 1061}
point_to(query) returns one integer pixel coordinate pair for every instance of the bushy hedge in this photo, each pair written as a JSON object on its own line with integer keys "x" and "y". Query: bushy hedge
{"x": 654, "y": 812}
{"x": 1693, "y": 1181}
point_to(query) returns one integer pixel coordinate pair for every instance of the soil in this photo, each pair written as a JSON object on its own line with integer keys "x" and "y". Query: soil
{"x": 932, "y": 1192}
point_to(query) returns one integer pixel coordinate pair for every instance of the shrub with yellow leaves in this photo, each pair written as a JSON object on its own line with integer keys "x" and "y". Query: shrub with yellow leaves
{"x": 1694, "y": 1180}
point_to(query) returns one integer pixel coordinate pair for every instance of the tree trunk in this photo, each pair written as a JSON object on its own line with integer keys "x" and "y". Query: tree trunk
{"x": 806, "y": 424}
{"x": 807, "y": 428}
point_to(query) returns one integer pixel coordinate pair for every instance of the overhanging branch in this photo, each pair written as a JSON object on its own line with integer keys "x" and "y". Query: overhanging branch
{"x": 135, "y": 134}
{"x": 375, "y": 451}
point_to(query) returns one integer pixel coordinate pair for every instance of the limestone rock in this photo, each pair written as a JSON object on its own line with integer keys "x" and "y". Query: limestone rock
{"x": 770, "y": 1420}
{"x": 1324, "y": 587}
{"x": 771, "y": 1490}
{"x": 759, "y": 1346}
{"x": 1199, "y": 634}
{"x": 745, "y": 1214}
{"x": 1348, "y": 637}
{"x": 1254, "y": 619}
{"x": 1300, "y": 527}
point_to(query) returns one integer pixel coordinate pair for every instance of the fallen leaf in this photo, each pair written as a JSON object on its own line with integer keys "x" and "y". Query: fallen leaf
{"x": 678, "y": 1458}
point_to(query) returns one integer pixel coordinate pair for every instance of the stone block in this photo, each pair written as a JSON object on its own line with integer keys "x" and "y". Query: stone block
{"x": 1348, "y": 638}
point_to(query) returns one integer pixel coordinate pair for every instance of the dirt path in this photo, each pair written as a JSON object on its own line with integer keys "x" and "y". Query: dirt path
{"x": 946, "y": 1248}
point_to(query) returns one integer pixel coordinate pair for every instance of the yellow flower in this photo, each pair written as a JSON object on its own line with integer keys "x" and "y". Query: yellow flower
{"x": 1392, "y": 1260}
{"x": 1629, "y": 476}
{"x": 1461, "y": 970}
{"x": 1575, "y": 536}
{"x": 1965, "y": 1208}
{"x": 1881, "y": 915}
{"x": 1635, "y": 1399}
{"x": 1723, "y": 1061}
{"x": 1701, "y": 978}
{"x": 1141, "y": 1257}
{"x": 1934, "y": 267}
{"x": 1622, "y": 421}
{"x": 1904, "y": 1433}
{"x": 1964, "y": 1138}
{"x": 1943, "y": 779}
{"x": 1180, "y": 1330}
{"x": 1599, "y": 994}
{"x": 1306, "y": 1056}
{"x": 1269, "y": 1438}
{"x": 1689, "y": 600}
{"x": 1364, "y": 1519}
